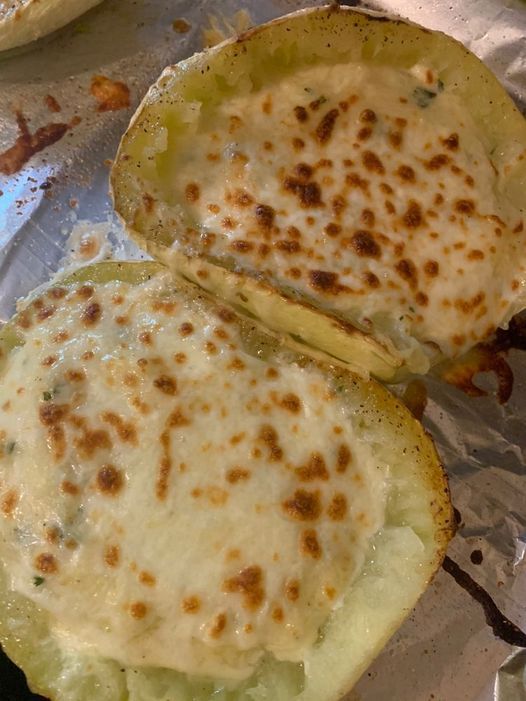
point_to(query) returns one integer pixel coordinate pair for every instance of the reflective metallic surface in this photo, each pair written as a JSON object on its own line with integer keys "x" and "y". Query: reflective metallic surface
{"x": 445, "y": 651}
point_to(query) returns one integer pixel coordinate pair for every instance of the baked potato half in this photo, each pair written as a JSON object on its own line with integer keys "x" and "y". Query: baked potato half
{"x": 191, "y": 510}
{"x": 352, "y": 180}
{"x": 24, "y": 21}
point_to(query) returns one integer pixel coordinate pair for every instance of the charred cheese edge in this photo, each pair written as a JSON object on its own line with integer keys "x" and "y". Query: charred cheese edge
{"x": 354, "y": 181}
{"x": 186, "y": 506}
{"x": 24, "y": 21}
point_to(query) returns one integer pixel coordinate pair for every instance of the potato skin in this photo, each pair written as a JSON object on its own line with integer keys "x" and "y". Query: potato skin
{"x": 36, "y": 18}
{"x": 328, "y": 35}
{"x": 24, "y": 629}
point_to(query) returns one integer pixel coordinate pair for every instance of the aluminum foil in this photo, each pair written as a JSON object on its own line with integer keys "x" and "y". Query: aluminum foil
{"x": 56, "y": 209}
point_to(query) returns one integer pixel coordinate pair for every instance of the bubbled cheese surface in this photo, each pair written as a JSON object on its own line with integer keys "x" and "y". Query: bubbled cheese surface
{"x": 365, "y": 188}
{"x": 168, "y": 498}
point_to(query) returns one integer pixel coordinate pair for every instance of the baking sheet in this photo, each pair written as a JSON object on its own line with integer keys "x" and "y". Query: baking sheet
{"x": 58, "y": 206}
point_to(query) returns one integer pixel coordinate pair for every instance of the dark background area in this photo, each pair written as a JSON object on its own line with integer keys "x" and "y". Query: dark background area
{"x": 13, "y": 685}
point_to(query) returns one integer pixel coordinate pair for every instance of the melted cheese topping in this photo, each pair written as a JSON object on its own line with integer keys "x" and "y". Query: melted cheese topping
{"x": 367, "y": 189}
{"x": 169, "y": 498}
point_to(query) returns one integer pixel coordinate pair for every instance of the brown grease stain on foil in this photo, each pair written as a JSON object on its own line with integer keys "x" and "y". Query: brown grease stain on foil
{"x": 501, "y": 626}
{"x": 111, "y": 95}
{"x": 488, "y": 357}
{"x": 27, "y": 144}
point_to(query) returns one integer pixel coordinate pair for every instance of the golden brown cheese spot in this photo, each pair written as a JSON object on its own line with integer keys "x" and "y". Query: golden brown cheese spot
{"x": 236, "y": 364}
{"x": 147, "y": 578}
{"x": 9, "y": 502}
{"x": 364, "y": 133}
{"x": 186, "y": 329}
{"x": 211, "y": 348}
{"x": 303, "y": 505}
{"x": 368, "y": 217}
{"x": 325, "y": 281}
{"x": 371, "y": 280}
{"x": 61, "y": 336}
{"x": 241, "y": 198}
{"x": 298, "y": 144}
{"x": 476, "y": 254}
{"x": 343, "y": 458}
{"x": 145, "y": 337}
{"x": 277, "y": 614}
{"x": 372, "y": 163}
{"x": 291, "y": 402}
{"x": 363, "y": 244}
{"x": 422, "y": 299}
{"x": 407, "y": 271}
{"x": 91, "y": 314}
{"x": 395, "y": 139}
{"x": 325, "y": 127}
{"x": 451, "y": 142}
{"x": 337, "y": 509}
{"x": 406, "y": 174}
{"x": 466, "y": 207}
{"x": 110, "y": 480}
{"x": 85, "y": 292}
{"x": 93, "y": 441}
{"x": 368, "y": 116}
{"x": 264, "y": 216}
{"x": 309, "y": 544}
{"x": 45, "y": 312}
{"x": 176, "y": 420}
{"x": 242, "y": 246}
{"x": 237, "y": 474}
{"x": 51, "y": 414}
{"x": 272, "y": 373}
{"x": 315, "y": 469}
{"x": 75, "y": 375}
{"x": 227, "y": 223}
{"x": 138, "y": 610}
{"x": 266, "y": 106}
{"x": 413, "y": 217}
{"x": 287, "y": 246}
{"x": 46, "y": 563}
{"x": 467, "y": 306}
{"x": 249, "y": 582}
{"x": 166, "y": 384}
{"x": 292, "y": 590}
{"x": 269, "y": 436}
{"x": 437, "y": 162}
{"x": 332, "y": 229}
{"x": 53, "y": 535}
{"x": 431, "y": 268}
{"x": 112, "y": 555}
{"x": 68, "y": 487}
{"x": 191, "y": 604}
{"x": 218, "y": 626}
{"x": 301, "y": 113}
{"x": 309, "y": 194}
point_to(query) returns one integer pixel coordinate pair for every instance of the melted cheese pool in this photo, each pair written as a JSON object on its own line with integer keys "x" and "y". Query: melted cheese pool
{"x": 169, "y": 498}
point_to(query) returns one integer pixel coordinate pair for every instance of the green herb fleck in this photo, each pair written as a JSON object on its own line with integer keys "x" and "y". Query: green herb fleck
{"x": 412, "y": 309}
{"x": 9, "y": 447}
{"x": 38, "y": 581}
{"x": 47, "y": 396}
{"x": 423, "y": 96}
{"x": 308, "y": 90}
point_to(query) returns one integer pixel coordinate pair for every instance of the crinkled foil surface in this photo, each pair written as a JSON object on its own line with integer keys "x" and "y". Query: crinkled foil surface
{"x": 445, "y": 651}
